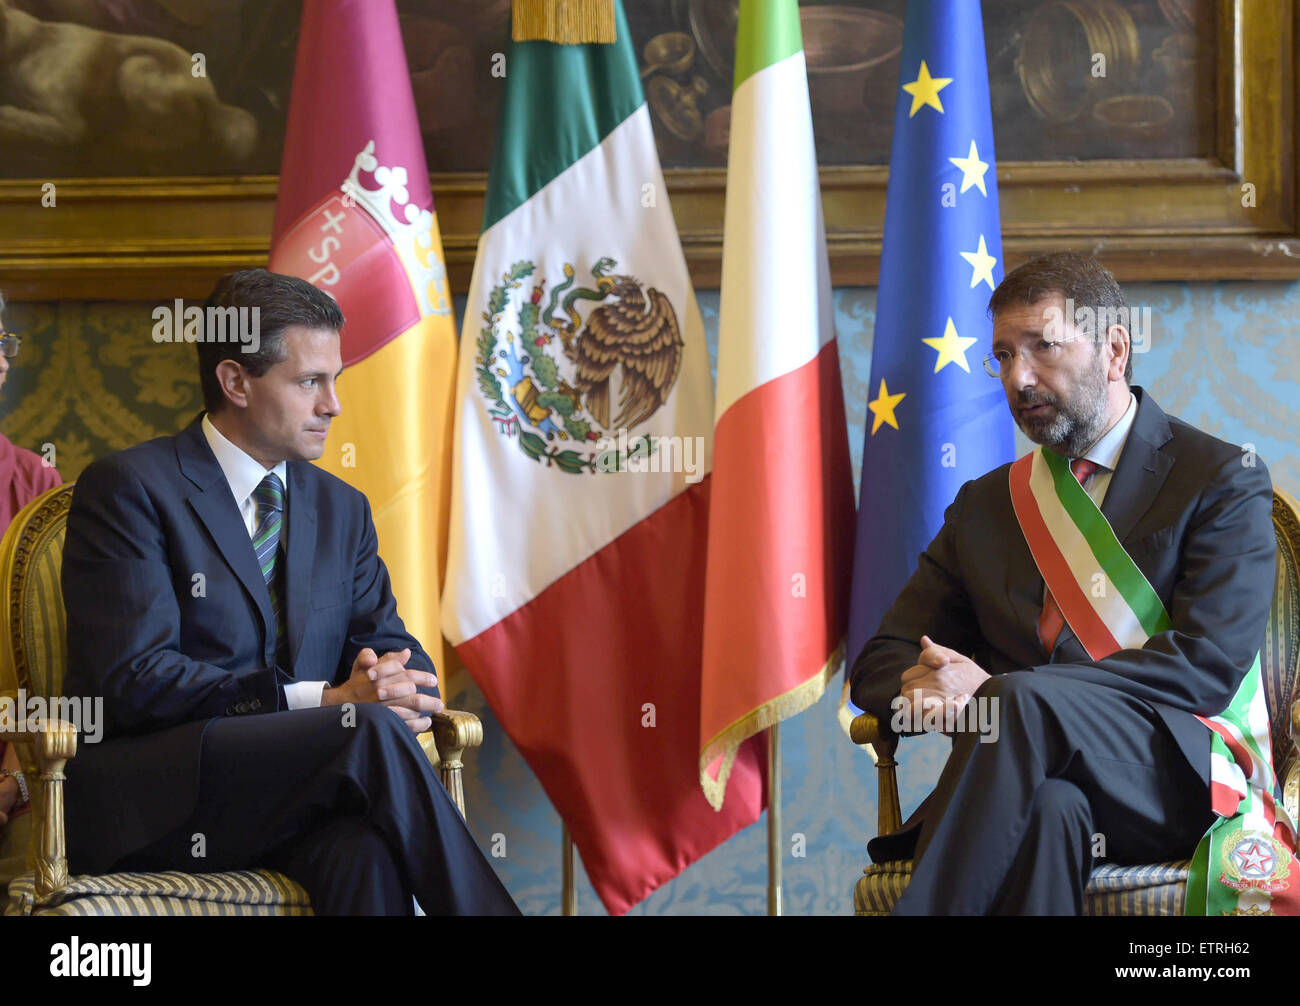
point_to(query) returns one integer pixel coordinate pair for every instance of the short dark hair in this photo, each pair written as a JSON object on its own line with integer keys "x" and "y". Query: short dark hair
{"x": 282, "y": 301}
{"x": 1076, "y": 277}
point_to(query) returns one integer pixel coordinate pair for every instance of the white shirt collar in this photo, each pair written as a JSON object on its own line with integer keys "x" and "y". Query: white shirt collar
{"x": 243, "y": 473}
{"x": 1106, "y": 451}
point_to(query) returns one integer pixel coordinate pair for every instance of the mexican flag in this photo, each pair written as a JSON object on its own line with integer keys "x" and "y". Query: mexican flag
{"x": 354, "y": 216}
{"x": 579, "y": 514}
{"x": 778, "y": 574}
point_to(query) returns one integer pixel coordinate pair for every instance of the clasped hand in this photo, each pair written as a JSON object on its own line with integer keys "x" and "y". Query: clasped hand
{"x": 388, "y": 681}
{"x": 942, "y": 677}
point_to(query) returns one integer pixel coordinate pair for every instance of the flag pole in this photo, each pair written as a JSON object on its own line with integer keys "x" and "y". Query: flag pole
{"x": 774, "y": 819}
{"x": 568, "y": 895}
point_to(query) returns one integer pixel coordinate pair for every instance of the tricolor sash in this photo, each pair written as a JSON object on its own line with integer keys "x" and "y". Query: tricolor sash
{"x": 1110, "y": 605}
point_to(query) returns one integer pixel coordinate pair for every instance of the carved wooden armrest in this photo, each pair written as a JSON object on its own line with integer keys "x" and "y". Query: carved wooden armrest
{"x": 52, "y": 744}
{"x": 452, "y": 732}
{"x": 865, "y": 729}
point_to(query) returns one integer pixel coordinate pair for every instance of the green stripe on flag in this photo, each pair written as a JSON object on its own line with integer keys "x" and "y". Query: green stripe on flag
{"x": 768, "y": 33}
{"x": 560, "y": 101}
{"x": 1106, "y": 549}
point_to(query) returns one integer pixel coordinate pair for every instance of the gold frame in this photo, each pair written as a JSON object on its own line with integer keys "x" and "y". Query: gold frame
{"x": 1167, "y": 219}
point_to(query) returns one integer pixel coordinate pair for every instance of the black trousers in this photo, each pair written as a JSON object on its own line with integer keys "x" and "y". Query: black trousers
{"x": 1012, "y": 825}
{"x": 347, "y": 806}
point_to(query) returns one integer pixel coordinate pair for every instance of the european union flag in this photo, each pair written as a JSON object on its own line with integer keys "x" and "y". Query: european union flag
{"x": 935, "y": 418}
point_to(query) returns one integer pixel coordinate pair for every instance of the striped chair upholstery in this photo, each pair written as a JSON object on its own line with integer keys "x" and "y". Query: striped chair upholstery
{"x": 1159, "y": 889}
{"x": 243, "y": 892}
{"x": 1280, "y": 657}
{"x": 1113, "y": 890}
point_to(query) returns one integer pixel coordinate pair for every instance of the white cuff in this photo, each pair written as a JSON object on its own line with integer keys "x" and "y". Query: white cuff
{"x": 304, "y": 694}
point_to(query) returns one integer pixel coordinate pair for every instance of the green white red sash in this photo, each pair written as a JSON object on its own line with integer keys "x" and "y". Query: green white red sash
{"x": 1110, "y": 605}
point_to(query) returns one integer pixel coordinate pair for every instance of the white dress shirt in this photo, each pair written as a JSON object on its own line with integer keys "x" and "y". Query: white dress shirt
{"x": 1106, "y": 451}
{"x": 244, "y": 474}
{"x": 1105, "y": 455}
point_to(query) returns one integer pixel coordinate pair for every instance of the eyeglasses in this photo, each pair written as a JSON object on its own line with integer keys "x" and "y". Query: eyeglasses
{"x": 1043, "y": 354}
{"x": 9, "y": 343}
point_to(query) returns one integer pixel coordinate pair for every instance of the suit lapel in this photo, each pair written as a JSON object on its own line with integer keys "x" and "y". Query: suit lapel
{"x": 215, "y": 507}
{"x": 301, "y": 555}
{"x": 1142, "y": 470}
{"x": 1138, "y": 478}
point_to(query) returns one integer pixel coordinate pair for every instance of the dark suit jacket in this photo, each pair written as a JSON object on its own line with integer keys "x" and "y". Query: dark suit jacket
{"x": 170, "y": 621}
{"x": 1194, "y": 515}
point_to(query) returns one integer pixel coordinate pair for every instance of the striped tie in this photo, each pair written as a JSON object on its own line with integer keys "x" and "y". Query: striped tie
{"x": 269, "y": 497}
{"x": 1050, "y": 619}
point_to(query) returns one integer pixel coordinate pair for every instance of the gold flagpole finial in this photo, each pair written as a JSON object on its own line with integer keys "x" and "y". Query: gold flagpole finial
{"x": 568, "y": 22}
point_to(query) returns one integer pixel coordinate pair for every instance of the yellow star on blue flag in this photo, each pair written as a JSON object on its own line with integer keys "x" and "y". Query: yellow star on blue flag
{"x": 925, "y": 90}
{"x": 952, "y": 348}
{"x": 972, "y": 170}
{"x": 883, "y": 407}
{"x": 982, "y": 264}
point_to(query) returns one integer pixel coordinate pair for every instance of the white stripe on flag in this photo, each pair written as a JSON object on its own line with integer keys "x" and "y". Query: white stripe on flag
{"x": 772, "y": 243}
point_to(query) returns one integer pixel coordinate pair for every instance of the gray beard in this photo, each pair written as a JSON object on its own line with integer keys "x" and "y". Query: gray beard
{"x": 1074, "y": 426}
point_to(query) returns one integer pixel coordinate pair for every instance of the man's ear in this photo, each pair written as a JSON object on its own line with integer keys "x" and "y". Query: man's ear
{"x": 233, "y": 379}
{"x": 1121, "y": 345}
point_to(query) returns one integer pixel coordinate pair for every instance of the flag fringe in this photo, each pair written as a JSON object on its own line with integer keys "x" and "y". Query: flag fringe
{"x": 728, "y": 741}
{"x": 567, "y": 22}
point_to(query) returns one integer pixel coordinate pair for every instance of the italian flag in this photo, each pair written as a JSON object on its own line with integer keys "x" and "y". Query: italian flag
{"x": 354, "y": 215}
{"x": 579, "y": 514}
{"x": 778, "y": 572}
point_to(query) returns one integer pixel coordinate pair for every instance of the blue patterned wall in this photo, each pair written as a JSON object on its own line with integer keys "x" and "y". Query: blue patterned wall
{"x": 1222, "y": 356}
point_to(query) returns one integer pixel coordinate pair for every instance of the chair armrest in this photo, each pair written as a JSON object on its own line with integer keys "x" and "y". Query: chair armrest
{"x": 452, "y": 732}
{"x": 53, "y": 743}
{"x": 865, "y": 729}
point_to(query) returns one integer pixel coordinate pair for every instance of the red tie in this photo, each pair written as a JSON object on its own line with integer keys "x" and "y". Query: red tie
{"x": 1050, "y": 619}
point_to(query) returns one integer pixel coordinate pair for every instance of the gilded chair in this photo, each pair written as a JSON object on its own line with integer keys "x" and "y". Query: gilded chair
{"x": 1156, "y": 889}
{"x": 33, "y": 658}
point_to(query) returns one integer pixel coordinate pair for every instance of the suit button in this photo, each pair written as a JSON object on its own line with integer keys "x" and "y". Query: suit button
{"x": 230, "y": 710}
{"x": 256, "y": 704}
{"x": 241, "y": 707}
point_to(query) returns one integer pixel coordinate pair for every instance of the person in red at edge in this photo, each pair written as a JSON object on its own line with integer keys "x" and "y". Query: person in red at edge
{"x": 24, "y": 475}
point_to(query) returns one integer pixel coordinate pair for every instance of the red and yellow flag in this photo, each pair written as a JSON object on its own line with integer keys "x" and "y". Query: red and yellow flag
{"x": 354, "y": 216}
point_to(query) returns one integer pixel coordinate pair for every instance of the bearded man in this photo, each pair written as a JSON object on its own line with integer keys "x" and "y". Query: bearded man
{"x": 1101, "y": 742}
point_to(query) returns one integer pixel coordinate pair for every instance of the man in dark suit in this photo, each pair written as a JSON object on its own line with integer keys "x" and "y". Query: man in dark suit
{"x": 1089, "y": 755}
{"x": 226, "y": 599}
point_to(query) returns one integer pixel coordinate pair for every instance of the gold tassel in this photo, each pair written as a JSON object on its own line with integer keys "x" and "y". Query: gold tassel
{"x": 568, "y": 22}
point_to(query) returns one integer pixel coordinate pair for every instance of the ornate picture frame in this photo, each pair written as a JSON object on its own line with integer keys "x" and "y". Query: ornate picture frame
{"x": 1230, "y": 215}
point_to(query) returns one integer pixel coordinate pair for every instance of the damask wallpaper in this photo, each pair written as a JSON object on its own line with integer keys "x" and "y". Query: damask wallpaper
{"x": 90, "y": 380}
{"x": 1222, "y": 356}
